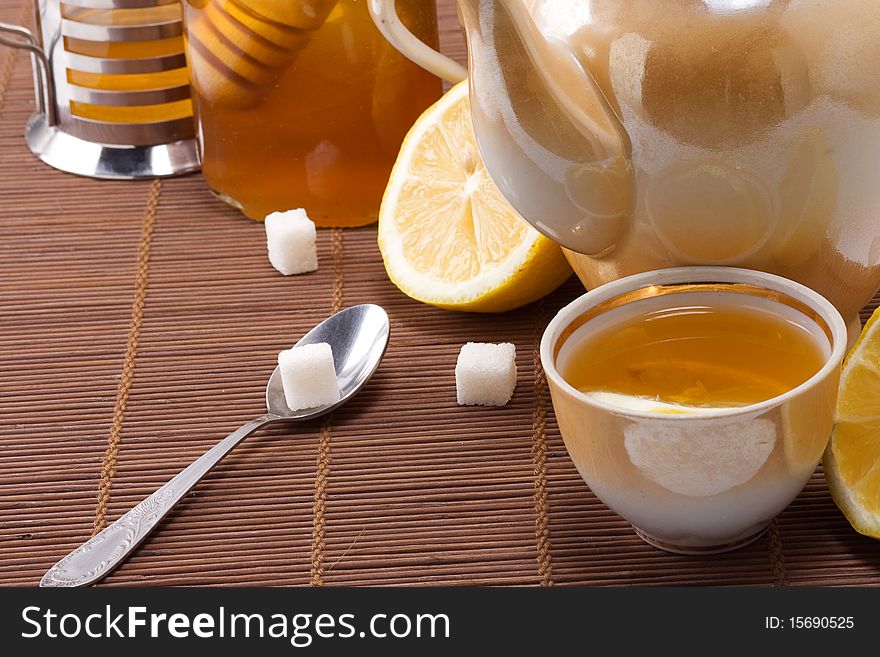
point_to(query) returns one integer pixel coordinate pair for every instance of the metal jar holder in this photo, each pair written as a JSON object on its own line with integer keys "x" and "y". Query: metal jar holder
{"x": 112, "y": 95}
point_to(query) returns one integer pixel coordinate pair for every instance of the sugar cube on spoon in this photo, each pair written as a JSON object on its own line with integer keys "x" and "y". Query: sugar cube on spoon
{"x": 308, "y": 376}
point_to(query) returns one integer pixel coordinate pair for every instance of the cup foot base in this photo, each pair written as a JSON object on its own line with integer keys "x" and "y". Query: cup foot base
{"x": 699, "y": 549}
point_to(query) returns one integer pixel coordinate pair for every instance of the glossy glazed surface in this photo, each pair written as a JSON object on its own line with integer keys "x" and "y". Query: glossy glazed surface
{"x": 647, "y": 134}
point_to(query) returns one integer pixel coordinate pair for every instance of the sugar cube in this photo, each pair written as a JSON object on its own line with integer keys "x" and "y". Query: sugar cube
{"x": 485, "y": 374}
{"x": 308, "y": 376}
{"x": 290, "y": 237}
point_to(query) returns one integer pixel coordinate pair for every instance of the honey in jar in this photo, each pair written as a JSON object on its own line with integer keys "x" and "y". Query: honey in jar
{"x": 302, "y": 103}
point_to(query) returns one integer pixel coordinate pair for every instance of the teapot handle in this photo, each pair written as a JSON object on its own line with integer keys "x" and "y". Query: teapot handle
{"x": 385, "y": 16}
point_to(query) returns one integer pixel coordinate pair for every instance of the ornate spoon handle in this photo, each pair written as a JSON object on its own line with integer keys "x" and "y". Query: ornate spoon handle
{"x": 94, "y": 559}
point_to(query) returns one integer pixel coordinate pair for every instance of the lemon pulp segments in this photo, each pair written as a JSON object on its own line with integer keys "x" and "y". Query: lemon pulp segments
{"x": 447, "y": 235}
{"x": 852, "y": 461}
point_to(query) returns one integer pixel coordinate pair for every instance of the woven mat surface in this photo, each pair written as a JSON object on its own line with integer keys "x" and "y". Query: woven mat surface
{"x": 138, "y": 325}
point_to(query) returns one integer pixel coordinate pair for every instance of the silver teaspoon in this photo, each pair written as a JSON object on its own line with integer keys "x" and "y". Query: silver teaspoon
{"x": 358, "y": 337}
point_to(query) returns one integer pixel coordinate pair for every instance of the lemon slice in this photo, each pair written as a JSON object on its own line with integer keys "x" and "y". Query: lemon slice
{"x": 447, "y": 235}
{"x": 852, "y": 460}
{"x": 647, "y": 404}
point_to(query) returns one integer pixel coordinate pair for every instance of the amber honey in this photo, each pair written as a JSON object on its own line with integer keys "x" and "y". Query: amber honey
{"x": 719, "y": 354}
{"x": 304, "y": 104}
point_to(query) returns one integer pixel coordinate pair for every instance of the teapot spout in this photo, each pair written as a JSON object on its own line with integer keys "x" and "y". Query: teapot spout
{"x": 550, "y": 139}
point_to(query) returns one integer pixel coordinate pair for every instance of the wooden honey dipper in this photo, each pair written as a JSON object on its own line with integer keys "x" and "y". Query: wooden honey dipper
{"x": 239, "y": 48}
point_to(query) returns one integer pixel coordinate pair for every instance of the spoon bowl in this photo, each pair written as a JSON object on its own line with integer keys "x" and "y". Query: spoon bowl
{"x": 358, "y": 337}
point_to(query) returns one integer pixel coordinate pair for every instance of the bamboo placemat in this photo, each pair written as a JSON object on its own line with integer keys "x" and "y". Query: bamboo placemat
{"x": 138, "y": 325}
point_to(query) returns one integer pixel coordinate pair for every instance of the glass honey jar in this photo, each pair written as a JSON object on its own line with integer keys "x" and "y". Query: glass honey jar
{"x": 302, "y": 103}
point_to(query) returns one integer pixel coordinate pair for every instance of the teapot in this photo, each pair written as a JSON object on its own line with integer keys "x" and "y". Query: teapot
{"x": 641, "y": 135}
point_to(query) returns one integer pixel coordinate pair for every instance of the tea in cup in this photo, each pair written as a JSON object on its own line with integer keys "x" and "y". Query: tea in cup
{"x": 696, "y": 402}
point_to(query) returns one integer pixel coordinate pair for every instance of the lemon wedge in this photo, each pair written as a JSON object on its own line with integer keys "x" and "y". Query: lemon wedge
{"x": 852, "y": 460}
{"x": 447, "y": 236}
